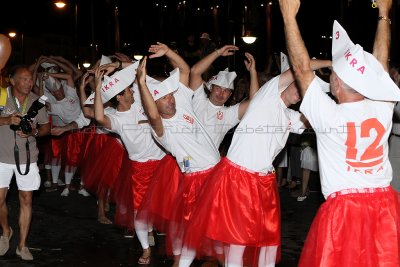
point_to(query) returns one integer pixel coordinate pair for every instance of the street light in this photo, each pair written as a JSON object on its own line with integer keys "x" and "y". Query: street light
{"x": 248, "y": 38}
{"x": 138, "y": 57}
{"x": 60, "y": 4}
{"x": 13, "y": 35}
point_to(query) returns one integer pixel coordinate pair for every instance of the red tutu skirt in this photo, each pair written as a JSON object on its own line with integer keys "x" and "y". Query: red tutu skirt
{"x": 105, "y": 168}
{"x": 58, "y": 145}
{"x": 89, "y": 134}
{"x": 122, "y": 195}
{"x": 187, "y": 195}
{"x": 72, "y": 149}
{"x": 141, "y": 174}
{"x": 236, "y": 206}
{"x": 355, "y": 227}
{"x": 158, "y": 202}
{"x": 87, "y": 168}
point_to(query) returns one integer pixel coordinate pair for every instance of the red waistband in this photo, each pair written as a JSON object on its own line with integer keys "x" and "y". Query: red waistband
{"x": 248, "y": 170}
{"x": 359, "y": 191}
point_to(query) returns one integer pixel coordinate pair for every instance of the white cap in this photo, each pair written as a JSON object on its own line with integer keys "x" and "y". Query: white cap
{"x": 224, "y": 79}
{"x": 359, "y": 69}
{"x": 50, "y": 67}
{"x": 52, "y": 84}
{"x": 105, "y": 60}
{"x": 111, "y": 86}
{"x": 160, "y": 89}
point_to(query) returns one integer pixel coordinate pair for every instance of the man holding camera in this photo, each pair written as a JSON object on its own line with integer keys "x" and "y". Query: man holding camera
{"x": 19, "y": 154}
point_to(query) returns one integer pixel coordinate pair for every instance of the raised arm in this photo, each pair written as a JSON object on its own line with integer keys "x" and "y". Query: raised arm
{"x": 99, "y": 116}
{"x": 382, "y": 35}
{"x": 287, "y": 77}
{"x": 202, "y": 65}
{"x": 87, "y": 111}
{"x": 176, "y": 60}
{"x": 67, "y": 66}
{"x": 298, "y": 54}
{"x": 148, "y": 103}
{"x": 250, "y": 64}
{"x": 64, "y": 76}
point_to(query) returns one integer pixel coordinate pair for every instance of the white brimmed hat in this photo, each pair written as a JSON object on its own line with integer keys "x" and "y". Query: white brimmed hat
{"x": 224, "y": 79}
{"x": 111, "y": 86}
{"x": 160, "y": 89}
{"x": 105, "y": 60}
{"x": 285, "y": 65}
{"x": 359, "y": 69}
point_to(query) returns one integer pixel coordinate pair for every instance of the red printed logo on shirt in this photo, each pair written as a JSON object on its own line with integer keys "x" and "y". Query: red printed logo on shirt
{"x": 188, "y": 118}
{"x": 373, "y": 154}
{"x": 220, "y": 115}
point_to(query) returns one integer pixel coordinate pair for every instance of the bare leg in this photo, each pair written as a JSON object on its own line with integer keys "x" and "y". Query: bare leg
{"x": 4, "y": 212}
{"x": 25, "y": 216}
{"x": 102, "y": 218}
{"x": 305, "y": 179}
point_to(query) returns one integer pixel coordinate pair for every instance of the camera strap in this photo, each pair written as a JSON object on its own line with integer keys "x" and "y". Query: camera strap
{"x": 16, "y": 155}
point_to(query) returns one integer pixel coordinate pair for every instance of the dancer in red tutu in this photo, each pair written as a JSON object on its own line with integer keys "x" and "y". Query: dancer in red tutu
{"x": 359, "y": 224}
{"x": 130, "y": 123}
{"x": 239, "y": 203}
{"x": 168, "y": 105}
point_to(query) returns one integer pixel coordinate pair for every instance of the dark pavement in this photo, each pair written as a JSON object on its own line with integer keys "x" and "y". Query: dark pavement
{"x": 65, "y": 232}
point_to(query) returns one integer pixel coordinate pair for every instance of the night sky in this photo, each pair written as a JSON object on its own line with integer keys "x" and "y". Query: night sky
{"x": 170, "y": 21}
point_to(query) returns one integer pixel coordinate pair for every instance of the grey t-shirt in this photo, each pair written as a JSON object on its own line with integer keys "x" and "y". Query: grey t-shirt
{"x": 7, "y": 135}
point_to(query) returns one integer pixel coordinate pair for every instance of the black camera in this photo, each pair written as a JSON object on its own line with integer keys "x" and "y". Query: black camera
{"x": 25, "y": 124}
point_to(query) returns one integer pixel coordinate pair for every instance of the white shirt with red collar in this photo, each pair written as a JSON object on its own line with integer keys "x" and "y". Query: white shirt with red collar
{"x": 135, "y": 136}
{"x": 264, "y": 129}
{"x": 352, "y": 140}
{"x": 218, "y": 120}
{"x": 185, "y": 136}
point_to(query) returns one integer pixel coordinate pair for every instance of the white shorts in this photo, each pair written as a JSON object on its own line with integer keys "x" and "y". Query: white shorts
{"x": 281, "y": 159}
{"x": 309, "y": 159}
{"x": 28, "y": 182}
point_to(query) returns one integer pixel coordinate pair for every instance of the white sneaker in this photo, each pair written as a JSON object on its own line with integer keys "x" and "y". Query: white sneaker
{"x": 83, "y": 192}
{"x": 47, "y": 184}
{"x": 24, "y": 253}
{"x": 65, "y": 192}
{"x": 60, "y": 183}
{"x": 301, "y": 198}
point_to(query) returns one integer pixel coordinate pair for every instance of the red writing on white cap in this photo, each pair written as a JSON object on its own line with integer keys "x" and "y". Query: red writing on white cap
{"x": 109, "y": 85}
{"x": 353, "y": 61}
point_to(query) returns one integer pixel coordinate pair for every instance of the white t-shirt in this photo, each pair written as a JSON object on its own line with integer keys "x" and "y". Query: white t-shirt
{"x": 264, "y": 129}
{"x": 82, "y": 121}
{"x": 352, "y": 140}
{"x": 66, "y": 110}
{"x": 218, "y": 120}
{"x": 107, "y": 111}
{"x": 185, "y": 136}
{"x": 135, "y": 136}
